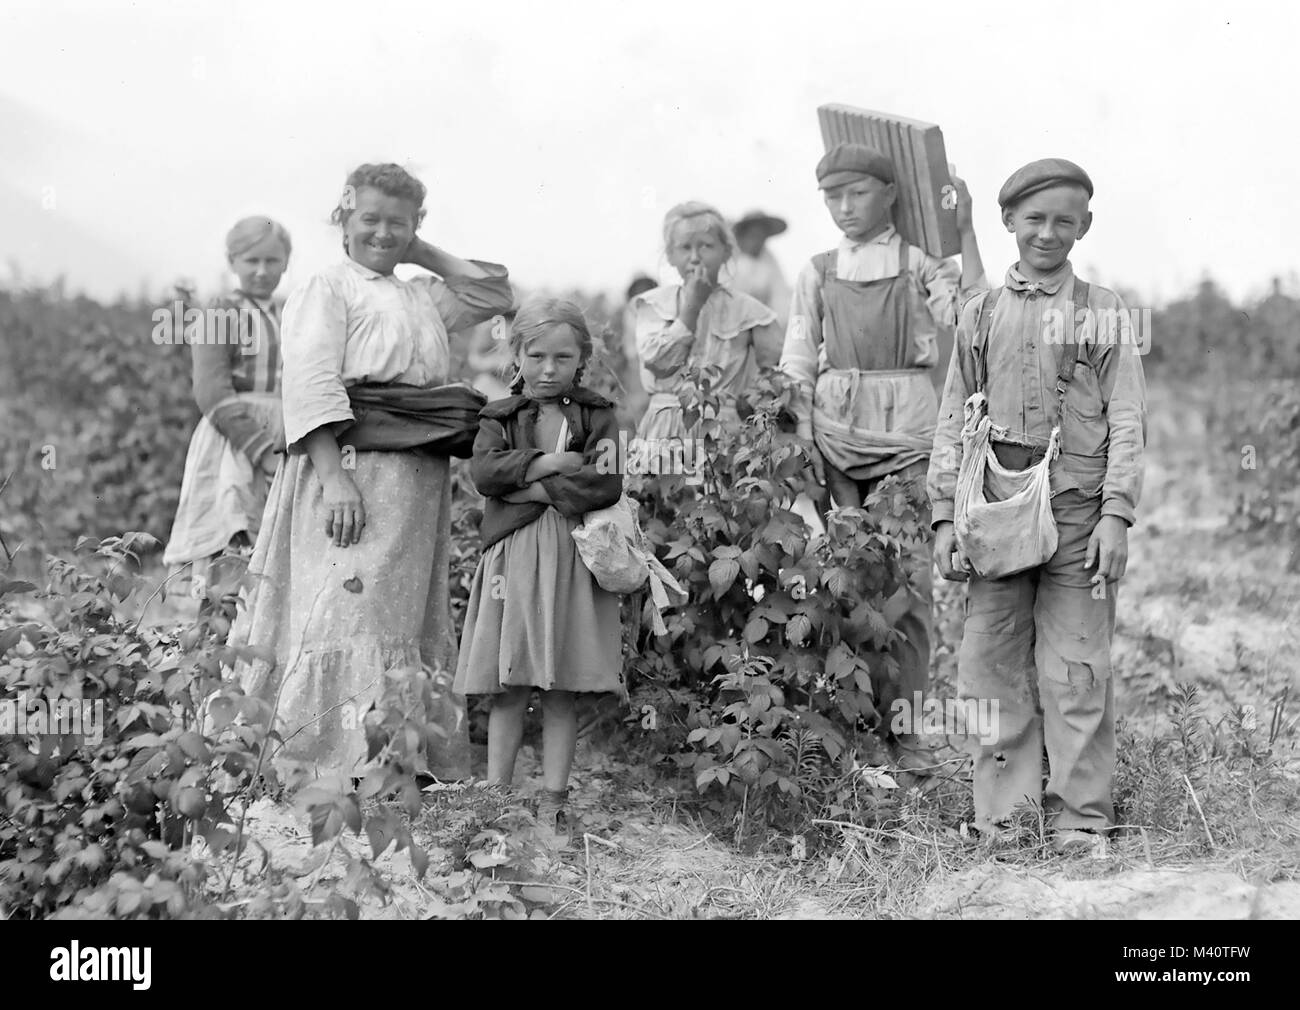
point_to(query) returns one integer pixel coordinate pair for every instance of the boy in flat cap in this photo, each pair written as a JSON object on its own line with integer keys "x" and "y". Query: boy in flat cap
{"x": 861, "y": 343}
{"x": 1038, "y": 641}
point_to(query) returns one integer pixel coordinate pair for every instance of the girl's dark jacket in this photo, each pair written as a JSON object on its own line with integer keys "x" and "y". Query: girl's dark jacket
{"x": 503, "y": 451}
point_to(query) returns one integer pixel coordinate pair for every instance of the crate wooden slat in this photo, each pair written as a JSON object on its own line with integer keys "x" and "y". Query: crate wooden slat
{"x": 920, "y": 170}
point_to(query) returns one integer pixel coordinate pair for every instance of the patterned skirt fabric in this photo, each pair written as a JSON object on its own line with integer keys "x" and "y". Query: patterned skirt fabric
{"x": 536, "y": 617}
{"x": 339, "y": 618}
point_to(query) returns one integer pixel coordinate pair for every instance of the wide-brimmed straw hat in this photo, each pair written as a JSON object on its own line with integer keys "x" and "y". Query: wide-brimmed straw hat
{"x": 757, "y": 219}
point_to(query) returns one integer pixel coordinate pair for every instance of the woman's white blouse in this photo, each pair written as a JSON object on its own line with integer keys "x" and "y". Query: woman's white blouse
{"x": 348, "y": 325}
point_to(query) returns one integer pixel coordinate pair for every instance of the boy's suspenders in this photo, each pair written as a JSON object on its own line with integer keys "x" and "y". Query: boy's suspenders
{"x": 1069, "y": 354}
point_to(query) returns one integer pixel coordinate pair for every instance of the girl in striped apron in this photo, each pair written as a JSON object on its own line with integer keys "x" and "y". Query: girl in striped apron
{"x": 235, "y": 349}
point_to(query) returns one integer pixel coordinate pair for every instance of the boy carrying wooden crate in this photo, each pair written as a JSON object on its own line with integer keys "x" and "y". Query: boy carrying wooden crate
{"x": 861, "y": 344}
{"x": 1063, "y": 388}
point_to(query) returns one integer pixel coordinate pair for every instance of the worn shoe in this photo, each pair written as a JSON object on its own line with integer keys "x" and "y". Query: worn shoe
{"x": 1078, "y": 842}
{"x": 552, "y": 817}
{"x": 996, "y": 838}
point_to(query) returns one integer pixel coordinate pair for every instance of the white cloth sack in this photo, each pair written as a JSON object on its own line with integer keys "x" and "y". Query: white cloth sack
{"x": 614, "y": 548}
{"x": 1016, "y": 532}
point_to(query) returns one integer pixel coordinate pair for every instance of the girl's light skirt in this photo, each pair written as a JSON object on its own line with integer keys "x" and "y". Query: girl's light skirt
{"x": 536, "y": 617}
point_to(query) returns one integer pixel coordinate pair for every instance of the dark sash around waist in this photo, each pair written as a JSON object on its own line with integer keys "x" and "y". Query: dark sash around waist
{"x": 441, "y": 421}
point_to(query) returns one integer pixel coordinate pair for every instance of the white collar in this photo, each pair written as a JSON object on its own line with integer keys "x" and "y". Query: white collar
{"x": 849, "y": 245}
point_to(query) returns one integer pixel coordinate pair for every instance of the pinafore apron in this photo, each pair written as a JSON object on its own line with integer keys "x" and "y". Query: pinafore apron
{"x": 874, "y": 409}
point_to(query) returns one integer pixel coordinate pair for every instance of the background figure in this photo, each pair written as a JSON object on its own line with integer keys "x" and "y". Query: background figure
{"x": 488, "y": 365}
{"x": 629, "y": 372}
{"x": 235, "y": 354}
{"x": 757, "y": 272}
{"x": 700, "y": 321}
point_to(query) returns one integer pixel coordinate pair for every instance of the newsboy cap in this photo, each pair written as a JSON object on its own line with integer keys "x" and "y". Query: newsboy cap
{"x": 846, "y": 163}
{"x": 1040, "y": 175}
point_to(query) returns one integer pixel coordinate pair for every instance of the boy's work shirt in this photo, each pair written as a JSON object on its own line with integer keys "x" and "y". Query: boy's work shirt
{"x": 861, "y": 343}
{"x": 1103, "y": 419}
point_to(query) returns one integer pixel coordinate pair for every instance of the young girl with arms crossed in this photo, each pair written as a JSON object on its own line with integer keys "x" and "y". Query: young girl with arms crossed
{"x": 536, "y": 617}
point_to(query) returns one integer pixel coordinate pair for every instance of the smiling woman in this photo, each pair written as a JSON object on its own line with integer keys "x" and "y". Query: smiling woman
{"x": 355, "y": 549}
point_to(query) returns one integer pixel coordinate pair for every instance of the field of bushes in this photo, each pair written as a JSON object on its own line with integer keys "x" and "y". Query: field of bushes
{"x": 746, "y": 747}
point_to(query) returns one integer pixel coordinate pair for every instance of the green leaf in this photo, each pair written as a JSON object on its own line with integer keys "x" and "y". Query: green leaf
{"x": 412, "y": 799}
{"x": 380, "y": 833}
{"x": 756, "y": 630}
{"x": 838, "y": 581}
{"x": 373, "y": 783}
{"x": 222, "y": 713}
{"x": 797, "y": 629}
{"x": 194, "y": 746}
{"x": 840, "y": 662}
{"x": 486, "y": 860}
{"x": 351, "y": 813}
{"x": 326, "y": 822}
{"x": 722, "y": 574}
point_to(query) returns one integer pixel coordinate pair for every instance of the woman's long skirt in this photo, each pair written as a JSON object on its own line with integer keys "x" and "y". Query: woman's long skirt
{"x": 339, "y": 618}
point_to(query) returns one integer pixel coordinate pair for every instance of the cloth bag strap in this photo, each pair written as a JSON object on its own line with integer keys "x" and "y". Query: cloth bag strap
{"x": 1069, "y": 354}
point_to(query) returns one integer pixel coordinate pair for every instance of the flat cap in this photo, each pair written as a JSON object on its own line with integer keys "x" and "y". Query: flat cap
{"x": 846, "y": 163}
{"x": 1040, "y": 175}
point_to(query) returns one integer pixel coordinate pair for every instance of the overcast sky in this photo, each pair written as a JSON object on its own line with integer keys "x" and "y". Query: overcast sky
{"x": 553, "y": 136}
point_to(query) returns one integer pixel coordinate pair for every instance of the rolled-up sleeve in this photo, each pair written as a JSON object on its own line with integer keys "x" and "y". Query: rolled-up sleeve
{"x": 945, "y": 459}
{"x": 467, "y": 301}
{"x": 663, "y": 345}
{"x": 313, "y": 338}
{"x": 1123, "y": 390}
{"x": 803, "y": 341}
{"x": 944, "y": 292}
{"x": 214, "y": 392}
